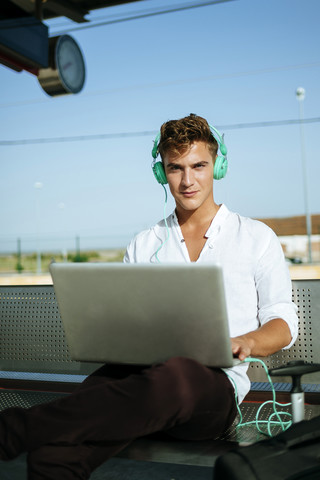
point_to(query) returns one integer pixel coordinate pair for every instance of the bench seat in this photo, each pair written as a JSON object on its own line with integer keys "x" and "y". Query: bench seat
{"x": 161, "y": 447}
{"x": 35, "y": 367}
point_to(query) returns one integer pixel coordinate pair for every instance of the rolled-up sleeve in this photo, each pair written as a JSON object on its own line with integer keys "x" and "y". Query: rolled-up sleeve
{"x": 274, "y": 288}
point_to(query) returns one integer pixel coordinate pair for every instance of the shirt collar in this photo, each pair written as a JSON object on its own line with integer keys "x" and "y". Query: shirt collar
{"x": 217, "y": 221}
{"x": 176, "y": 225}
{"x": 215, "y": 225}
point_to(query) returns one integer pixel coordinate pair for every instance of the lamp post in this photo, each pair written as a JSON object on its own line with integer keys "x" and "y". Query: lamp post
{"x": 38, "y": 186}
{"x": 300, "y": 94}
{"x": 62, "y": 206}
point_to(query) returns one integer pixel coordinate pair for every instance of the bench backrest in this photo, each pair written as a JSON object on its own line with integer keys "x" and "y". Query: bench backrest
{"x": 306, "y": 295}
{"x": 32, "y": 336}
{"x": 31, "y": 332}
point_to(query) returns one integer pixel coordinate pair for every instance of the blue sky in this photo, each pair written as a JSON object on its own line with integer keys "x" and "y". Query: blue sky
{"x": 234, "y": 63}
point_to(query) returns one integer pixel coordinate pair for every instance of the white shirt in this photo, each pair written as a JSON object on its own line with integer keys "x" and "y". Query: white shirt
{"x": 256, "y": 277}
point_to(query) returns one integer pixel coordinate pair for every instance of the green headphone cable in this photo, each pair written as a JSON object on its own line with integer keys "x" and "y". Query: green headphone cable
{"x": 165, "y": 222}
{"x": 270, "y": 421}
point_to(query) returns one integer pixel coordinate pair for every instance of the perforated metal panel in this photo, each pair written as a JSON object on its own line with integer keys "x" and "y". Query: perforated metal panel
{"x": 24, "y": 399}
{"x": 306, "y": 295}
{"x": 32, "y": 336}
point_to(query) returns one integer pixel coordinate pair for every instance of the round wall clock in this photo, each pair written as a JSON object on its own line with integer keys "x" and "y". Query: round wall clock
{"x": 66, "y": 71}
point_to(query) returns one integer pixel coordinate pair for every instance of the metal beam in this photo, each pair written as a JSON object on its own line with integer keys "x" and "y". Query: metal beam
{"x": 66, "y": 9}
{"x": 54, "y": 8}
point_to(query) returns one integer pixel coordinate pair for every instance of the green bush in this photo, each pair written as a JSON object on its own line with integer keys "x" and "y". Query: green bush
{"x": 78, "y": 257}
{"x": 19, "y": 267}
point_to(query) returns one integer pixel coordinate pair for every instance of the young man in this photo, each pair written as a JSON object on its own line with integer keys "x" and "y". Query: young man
{"x": 70, "y": 437}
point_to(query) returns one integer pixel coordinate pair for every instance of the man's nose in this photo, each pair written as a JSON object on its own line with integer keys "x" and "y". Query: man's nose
{"x": 187, "y": 177}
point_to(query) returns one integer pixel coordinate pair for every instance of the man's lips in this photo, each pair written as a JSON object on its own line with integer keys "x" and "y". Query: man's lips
{"x": 189, "y": 194}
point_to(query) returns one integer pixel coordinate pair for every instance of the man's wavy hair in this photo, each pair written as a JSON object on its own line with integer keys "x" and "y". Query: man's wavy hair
{"x": 177, "y": 136}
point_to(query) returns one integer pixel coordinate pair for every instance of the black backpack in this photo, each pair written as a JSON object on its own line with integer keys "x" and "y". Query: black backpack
{"x": 290, "y": 455}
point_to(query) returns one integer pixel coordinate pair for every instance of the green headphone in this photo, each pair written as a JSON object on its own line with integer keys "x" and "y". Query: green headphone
{"x": 220, "y": 165}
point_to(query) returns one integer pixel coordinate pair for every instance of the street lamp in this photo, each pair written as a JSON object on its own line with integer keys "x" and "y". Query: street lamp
{"x": 300, "y": 94}
{"x": 38, "y": 186}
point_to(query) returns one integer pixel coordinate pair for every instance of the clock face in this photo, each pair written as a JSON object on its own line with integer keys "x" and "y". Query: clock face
{"x": 70, "y": 64}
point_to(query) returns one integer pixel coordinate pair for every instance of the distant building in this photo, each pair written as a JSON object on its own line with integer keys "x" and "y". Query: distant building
{"x": 292, "y": 233}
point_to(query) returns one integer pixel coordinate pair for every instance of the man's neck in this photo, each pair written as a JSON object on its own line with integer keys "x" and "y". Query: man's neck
{"x": 193, "y": 219}
{"x": 194, "y": 226}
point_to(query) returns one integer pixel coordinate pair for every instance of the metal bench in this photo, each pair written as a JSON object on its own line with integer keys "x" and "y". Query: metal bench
{"x": 35, "y": 367}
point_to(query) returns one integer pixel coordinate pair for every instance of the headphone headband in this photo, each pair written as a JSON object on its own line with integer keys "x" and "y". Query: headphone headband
{"x": 220, "y": 164}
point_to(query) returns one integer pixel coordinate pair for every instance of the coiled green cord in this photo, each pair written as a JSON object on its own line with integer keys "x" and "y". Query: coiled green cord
{"x": 270, "y": 421}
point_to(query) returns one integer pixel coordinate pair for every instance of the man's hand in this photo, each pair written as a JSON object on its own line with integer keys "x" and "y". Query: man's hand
{"x": 268, "y": 339}
{"x": 241, "y": 347}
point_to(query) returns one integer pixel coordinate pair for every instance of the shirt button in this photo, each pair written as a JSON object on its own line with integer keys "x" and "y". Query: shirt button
{"x": 211, "y": 245}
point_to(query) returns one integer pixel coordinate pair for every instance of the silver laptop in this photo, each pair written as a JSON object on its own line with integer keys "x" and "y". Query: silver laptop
{"x": 143, "y": 313}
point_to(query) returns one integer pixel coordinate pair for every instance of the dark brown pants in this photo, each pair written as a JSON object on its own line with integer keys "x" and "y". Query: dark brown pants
{"x": 70, "y": 437}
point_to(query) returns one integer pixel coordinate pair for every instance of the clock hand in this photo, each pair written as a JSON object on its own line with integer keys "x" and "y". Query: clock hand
{"x": 67, "y": 65}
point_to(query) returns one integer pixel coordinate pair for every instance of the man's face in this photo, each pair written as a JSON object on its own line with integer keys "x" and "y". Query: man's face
{"x": 190, "y": 177}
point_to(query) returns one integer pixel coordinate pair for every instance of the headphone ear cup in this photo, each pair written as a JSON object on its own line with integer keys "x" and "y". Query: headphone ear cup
{"x": 223, "y": 149}
{"x": 159, "y": 173}
{"x": 220, "y": 168}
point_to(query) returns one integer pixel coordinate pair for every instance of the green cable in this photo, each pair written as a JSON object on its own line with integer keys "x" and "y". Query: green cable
{"x": 270, "y": 422}
{"x": 165, "y": 222}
